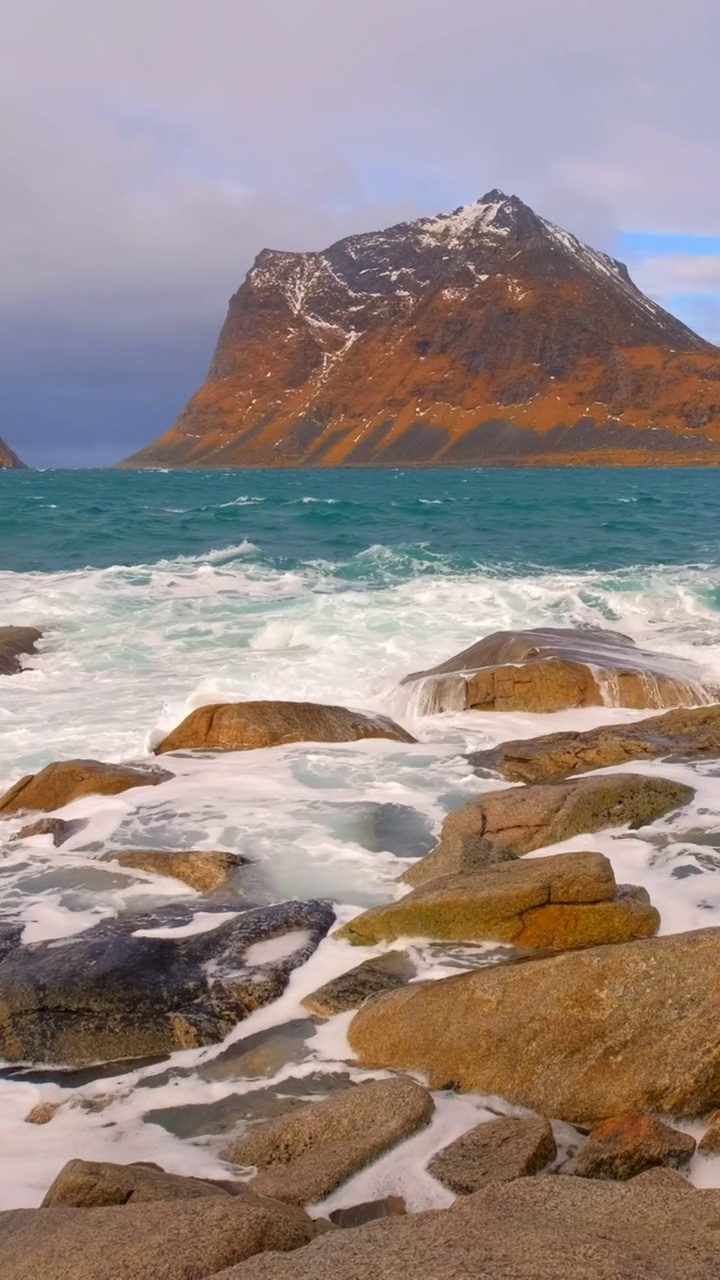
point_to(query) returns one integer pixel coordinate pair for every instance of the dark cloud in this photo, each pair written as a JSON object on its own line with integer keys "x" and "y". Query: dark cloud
{"x": 150, "y": 149}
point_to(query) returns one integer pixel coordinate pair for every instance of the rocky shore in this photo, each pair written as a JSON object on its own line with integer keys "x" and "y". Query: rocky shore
{"x": 552, "y": 1072}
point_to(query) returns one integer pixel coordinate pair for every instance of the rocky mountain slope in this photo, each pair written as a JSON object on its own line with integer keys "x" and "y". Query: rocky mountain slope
{"x": 484, "y": 336}
{"x": 8, "y": 458}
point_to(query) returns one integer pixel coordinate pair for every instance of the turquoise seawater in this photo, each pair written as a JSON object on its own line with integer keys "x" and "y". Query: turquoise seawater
{"x": 433, "y": 521}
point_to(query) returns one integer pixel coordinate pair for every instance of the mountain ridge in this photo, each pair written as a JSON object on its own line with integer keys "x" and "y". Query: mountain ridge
{"x": 9, "y": 459}
{"x": 486, "y": 336}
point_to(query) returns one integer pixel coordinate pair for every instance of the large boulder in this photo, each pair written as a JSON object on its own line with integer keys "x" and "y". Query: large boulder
{"x": 66, "y": 780}
{"x": 162, "y": 1240}
{"x": 88, "y": 1184}
{"x": 495, "y": 1151}
{"x": 122, "y": 990}
{"x": 625, "y": 1146}
{"x": 656, "y": 1227}
{"x": 244, "y": 726}
{"x": 551, "y": 669}
{"x": 501, "y": 825}
{"x": 569, "y": 900}
{"x": 692, "y": 733}
{"x": 584, "y": 1035}
{"x": 14, "y": 642}
{"x": 203, "y": 869}
{"x": 305, "y": 1155}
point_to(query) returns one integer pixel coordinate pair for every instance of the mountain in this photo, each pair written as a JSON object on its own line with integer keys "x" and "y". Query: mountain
{"x": 487, "y": 336}
{"x": 9, "y": 459}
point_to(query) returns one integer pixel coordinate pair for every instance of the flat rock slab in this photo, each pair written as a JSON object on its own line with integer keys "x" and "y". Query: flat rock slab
{"x": 582, "y": 1036}
{"x": 122, "y": 990}
{"x": 245, "y": 726}
{"x": 567, "y": 900}
{"x": 502, "y": 825}
{"x": 66, "y": 780}
{"x": 496, "y": 1151}
{"x": 161, "y": 1240}
{"x": 15, "y": 642}
{"x": 350, "y": 990}
{"x": 692, "y": 734}
{"x": 202, "y": 869}
{"x": 624, "y": 1146}
{"x": 552, "y": 669}
{"x": 304, "y": 1156}
{"x": 653, "y": 1228}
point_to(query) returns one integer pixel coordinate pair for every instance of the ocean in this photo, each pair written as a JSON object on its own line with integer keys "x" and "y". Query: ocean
{"x": 158, "y": 592}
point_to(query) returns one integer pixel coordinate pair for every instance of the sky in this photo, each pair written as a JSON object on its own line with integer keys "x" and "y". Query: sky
{"x": 150, "y": 148}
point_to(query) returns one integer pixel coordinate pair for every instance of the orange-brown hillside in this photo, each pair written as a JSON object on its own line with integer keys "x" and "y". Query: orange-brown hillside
{"x": 8, "y": 459}
{"x": 487, "y": 336}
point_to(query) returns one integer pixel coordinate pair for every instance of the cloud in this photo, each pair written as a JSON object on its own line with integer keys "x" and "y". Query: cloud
{"x": 151, "y": 148}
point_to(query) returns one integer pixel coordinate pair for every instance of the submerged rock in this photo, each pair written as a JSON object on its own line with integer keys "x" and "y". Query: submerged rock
{"x": 583, "y": 1036}
{"x": 687, "y": 734}
{"x": 65, "y": 780}
{"x": 496, "y": 1151}
{"x": 245, "y": 726}
{"x": 202, "y": 869}
{"x": 656, "y": 1227}
{"x": 625, "y": 1146}
{"x": 552, "y": 669}
{"x": 58, "y": 828}
{"x": 567, "y": 900}
{"x": 14, "y": 643}
{"x": 501, "y": 825}
{"x": 304, "y": 1156}
{"x": 358, "y": 1214}
{"x": 113, "y": 993}
{"x": 352, "y": 989}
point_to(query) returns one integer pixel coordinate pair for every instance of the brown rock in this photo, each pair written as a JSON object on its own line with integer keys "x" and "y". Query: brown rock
{"x": 350, "y": 990}
{"x": 552, "y": 669}
{"x": 655, "y": 1227}
{"x": 709, "y": 1144}
{"x": 43, "y": 1113}
{"x": 358, "y": 1214}
{"x": 245, "y": 726}
{"x": 86, "y": 1184}
{"x": 624, "y": 1146}
{"x": 567, "y": 900}
{"x": 678, "y": 735}
{"x": 166, "y": 1240}
{"x": 496, "y": 1151}
{"x": 304, "y": 1156}
{"x": 55, "y": 827}
{"x": 583, "y": 1036}
{"x": 204, "y": 870}
{"x": 66, "y": 780}
{"x": 15, "y": 641}
{"x": 501, "y": 825}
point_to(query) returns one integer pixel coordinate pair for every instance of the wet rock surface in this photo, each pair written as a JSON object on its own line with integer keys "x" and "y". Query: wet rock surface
{"x": 15, "y": 643}
{"x": 567, "y": 900}
{"x": 201, "y": 869}
{"x": 688, "y": 734}
{"x": 245, "y": 726}
{"x": 66, "y": 780}
{"x": 304, "y": 1156}
{"x": 501, "y": 825}
{"x": 553, "y": 669}
{"x": 611, "y": 1030}
{"x": 350, "y": 990}
{"x": 113, "y": 993}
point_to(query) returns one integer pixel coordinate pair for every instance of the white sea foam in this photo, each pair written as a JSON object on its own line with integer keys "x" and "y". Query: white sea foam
{"x": 128, "y": 652}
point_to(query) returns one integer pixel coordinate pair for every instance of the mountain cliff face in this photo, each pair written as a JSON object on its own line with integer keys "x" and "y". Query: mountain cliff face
{"x": 8, "y": 459}
{"x": 484, "y": 336}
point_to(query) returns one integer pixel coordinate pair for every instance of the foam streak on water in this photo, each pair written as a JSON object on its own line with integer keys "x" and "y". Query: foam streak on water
{"x": 159, "y": 593}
